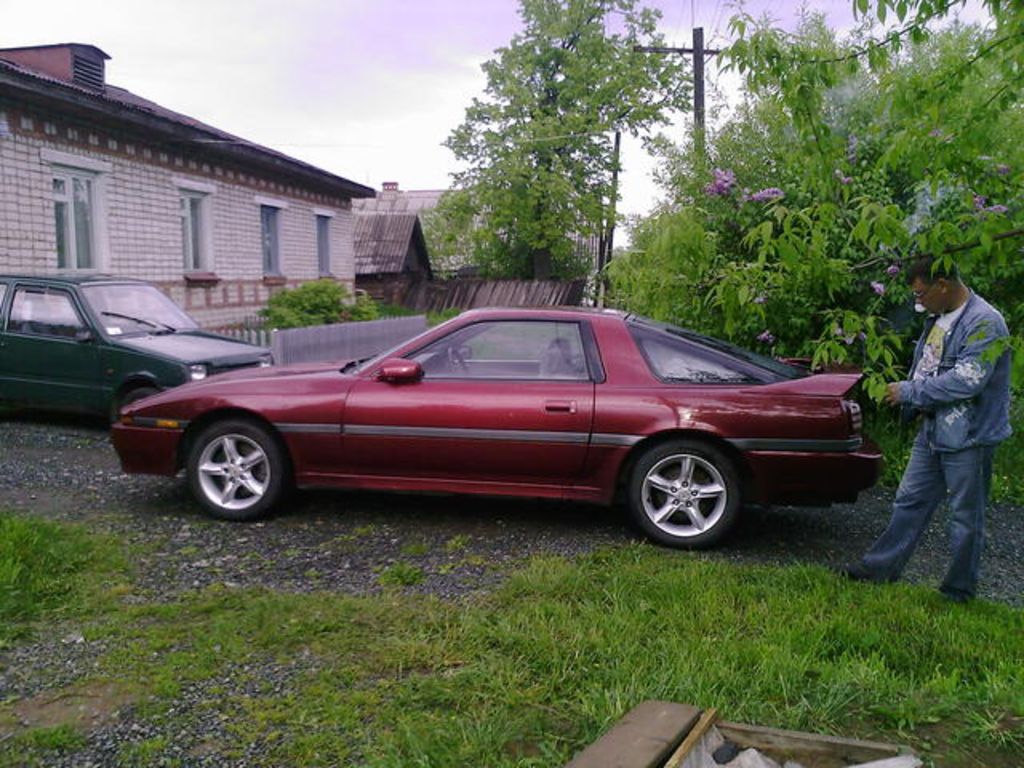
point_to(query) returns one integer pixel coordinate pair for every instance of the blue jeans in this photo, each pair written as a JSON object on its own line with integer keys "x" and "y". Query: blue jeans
{"x": 965, "y": 477}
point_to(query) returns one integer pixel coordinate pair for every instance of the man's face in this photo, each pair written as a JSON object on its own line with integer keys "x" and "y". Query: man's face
{"x": 933, "y": 296}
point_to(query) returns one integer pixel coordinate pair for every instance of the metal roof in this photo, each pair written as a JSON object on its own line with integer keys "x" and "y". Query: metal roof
{"x": 122, "y": 108}
{"x": 411, "y": 201}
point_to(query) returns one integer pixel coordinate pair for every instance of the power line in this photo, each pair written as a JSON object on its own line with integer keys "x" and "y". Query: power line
{"x": 698, "y": 51}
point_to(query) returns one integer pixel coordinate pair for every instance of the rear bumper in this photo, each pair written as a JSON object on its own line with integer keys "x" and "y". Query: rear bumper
{"x": 145, "y": 450}
{"x": 814, "y": 478}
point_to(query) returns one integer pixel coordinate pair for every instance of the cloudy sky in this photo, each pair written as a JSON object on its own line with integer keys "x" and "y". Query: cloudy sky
{"x": 366, "y": 89}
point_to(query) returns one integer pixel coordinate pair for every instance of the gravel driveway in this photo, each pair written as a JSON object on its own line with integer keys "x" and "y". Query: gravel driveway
{"x": 341, "y": 541}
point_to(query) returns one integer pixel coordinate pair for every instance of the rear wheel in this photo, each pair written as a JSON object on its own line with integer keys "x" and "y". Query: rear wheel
{"x": 237, "y": 470}
{"x": 685, "y": 494}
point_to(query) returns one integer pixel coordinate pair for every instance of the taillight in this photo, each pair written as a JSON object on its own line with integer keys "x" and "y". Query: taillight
{"x": 854, "y": 415}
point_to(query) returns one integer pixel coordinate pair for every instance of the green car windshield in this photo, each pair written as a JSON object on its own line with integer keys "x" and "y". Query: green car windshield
{"x": 127, "y": 308}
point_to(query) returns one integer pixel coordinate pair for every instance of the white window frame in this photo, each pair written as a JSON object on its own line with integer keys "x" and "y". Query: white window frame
{"x": 68, "y": 167}
{"x": 323, "y": 249}
{"x": 272, "y": 267}
{"x": 189, "y": 190}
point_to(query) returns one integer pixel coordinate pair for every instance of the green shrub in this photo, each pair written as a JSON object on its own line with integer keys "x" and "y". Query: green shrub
{"x": 320, "y": 302}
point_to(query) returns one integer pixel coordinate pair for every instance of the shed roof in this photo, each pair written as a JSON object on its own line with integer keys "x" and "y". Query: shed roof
{"x": 382, "y": 242}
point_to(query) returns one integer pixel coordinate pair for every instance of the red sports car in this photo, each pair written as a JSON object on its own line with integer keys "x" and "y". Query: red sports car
{"x": 579, "y": 404}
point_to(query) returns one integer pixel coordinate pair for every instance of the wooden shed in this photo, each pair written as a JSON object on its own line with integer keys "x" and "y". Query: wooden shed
{"x": 391, "y": 254}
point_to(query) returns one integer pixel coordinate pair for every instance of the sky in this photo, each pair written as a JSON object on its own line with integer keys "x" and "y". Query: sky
{"x": 365, "y": 89}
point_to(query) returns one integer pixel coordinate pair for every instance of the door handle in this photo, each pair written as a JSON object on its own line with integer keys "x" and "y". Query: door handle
{"x": 560, "y": 406}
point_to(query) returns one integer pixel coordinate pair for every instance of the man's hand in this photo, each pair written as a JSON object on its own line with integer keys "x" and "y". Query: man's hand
{"x": 892, "y": 393}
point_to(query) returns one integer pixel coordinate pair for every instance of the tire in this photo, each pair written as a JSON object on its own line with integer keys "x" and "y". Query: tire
{"x": 684, "y": 494}
{"x": 129, "y": 396}
{"x": 237, "y": 470}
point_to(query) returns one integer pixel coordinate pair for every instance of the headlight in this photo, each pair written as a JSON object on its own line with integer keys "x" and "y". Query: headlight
{"x": 266, "y": 361}
{"x": 197, "y": 372}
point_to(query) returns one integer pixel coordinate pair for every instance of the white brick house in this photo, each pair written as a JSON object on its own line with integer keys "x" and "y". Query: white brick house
{"x": 96, "y": 179}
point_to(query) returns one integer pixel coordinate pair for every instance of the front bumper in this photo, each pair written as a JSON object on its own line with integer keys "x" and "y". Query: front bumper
{"x": 145, "y": 450}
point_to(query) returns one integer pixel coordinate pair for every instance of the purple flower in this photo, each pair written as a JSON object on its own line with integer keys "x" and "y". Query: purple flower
{"x": 979, "y": 202}
{"x": 766, "y": 195}
{"x": 843, "y": 179}
{"x": 723, "y": 183}
{"x": 878, "y": 288}
{"x": 1002, "y": 169}
{"x": 766, "y": 337}
{"x": 995, "y": 209}
{"x": 936, "y": 133}
{"x": 760, "y": 299}
{"x": 892, "y": 270}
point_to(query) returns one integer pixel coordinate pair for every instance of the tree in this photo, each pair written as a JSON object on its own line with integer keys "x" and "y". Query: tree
{"x": 537, "y": 148}
{"x": 847, "y": 159}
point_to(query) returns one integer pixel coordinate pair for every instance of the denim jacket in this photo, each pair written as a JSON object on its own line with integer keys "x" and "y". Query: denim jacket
{"x": 967, "y": 401}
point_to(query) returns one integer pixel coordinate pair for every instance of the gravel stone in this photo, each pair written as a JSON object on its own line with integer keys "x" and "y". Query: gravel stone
{"x": 342, "y": 541}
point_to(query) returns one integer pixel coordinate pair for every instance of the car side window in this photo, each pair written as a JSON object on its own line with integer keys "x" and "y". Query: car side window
{"x": 507, "y": 349}
{"x": 674, "y": 360}
{"x": 44, "y": 313}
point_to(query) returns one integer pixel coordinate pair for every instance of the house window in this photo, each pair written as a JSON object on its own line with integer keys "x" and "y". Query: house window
{"x": 323, "y": 244}
{"x": 193, "y": 222}
{"x": 74, "y": 212}
{"x": 270, "y": 235}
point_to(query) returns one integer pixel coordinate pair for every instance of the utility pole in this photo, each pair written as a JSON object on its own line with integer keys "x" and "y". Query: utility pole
{"x": 698, "y": 51}
{"x": 606, "y": 242}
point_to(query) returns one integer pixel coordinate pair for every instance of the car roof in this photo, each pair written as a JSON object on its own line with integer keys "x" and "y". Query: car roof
{"x": 77, "y": 279}
{"x": 541, "y": 313}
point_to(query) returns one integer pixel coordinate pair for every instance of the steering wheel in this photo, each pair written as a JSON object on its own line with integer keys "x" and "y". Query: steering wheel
{"x": 457, "y": 356}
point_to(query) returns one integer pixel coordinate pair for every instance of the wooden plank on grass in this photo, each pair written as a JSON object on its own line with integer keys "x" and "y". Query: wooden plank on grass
{"x": 643, "y": 738}
{"x": 692, "y": 738}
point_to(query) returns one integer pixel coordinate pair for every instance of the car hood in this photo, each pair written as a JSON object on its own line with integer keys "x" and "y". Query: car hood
{"x": 194, "y": 347}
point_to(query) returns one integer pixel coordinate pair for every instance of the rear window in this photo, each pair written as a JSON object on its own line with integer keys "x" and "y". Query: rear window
{"x": 678, "y": 355}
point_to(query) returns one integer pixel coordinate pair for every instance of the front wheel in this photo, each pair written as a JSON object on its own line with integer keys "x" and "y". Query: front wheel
{"x": 685, "y": 494}
{"x": 129, "y": 396}
{"x": 236, "y": 470}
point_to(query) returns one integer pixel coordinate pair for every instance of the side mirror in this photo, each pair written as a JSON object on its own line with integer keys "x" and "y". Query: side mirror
{"x": 397, "y": 370}
{"x": 83, "y": 335}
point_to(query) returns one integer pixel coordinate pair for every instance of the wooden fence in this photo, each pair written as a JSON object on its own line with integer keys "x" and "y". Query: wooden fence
{"x": 435, "y": 296}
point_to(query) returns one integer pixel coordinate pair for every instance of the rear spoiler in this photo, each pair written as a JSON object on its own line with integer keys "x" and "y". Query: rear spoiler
{"x": 818, "y": 385}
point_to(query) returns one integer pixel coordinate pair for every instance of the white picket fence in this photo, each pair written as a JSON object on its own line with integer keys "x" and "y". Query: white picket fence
{"x": 340, "y": 341}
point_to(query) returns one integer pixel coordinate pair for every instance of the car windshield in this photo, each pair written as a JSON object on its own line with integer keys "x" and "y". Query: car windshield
{"x": 777, "y": 367}
{"x": 129, "y": 308}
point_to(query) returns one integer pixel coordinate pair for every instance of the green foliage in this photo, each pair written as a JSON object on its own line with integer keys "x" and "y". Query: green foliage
{"x": 319, "y": 302}
{"x": 847, "y": 159}
{"x": 40, "y": 570}
{"x": 538, "y": 147}
{"x": 449, "y": 230}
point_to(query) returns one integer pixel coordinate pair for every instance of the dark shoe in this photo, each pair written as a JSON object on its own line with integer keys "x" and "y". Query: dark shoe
{"x": 857, "y": 572}
{"x": 955, "y": 596}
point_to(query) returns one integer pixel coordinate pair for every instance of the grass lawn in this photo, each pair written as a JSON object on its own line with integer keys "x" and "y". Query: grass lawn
{"x": 530, "y": 674}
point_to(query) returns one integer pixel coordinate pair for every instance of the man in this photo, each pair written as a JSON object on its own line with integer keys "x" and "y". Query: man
{"x": 959, "y": 384}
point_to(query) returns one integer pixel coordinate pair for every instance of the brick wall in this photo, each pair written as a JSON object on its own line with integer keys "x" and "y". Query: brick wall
{"x": 141, "y": 232}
